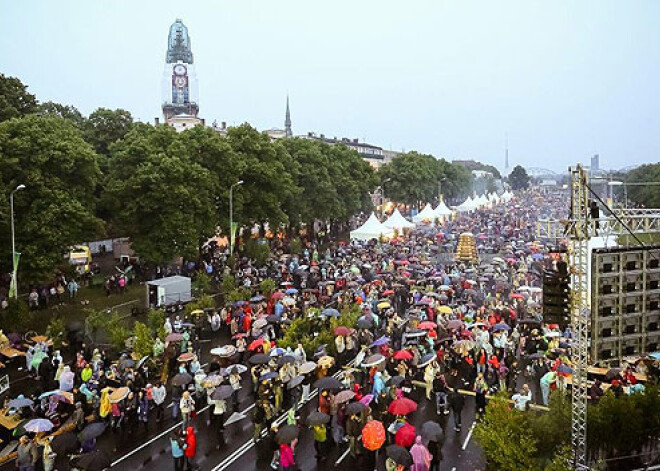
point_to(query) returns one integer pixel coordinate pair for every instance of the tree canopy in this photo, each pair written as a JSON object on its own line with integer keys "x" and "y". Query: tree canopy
{"x": 647, "y": 195}
{"x": 56, "y": 209}
{"x": 415, "y": 178}
{"x": 518, "y": 179}
{"x": 15, "y": 101}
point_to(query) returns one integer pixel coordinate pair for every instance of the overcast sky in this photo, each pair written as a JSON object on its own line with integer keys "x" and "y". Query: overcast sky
{"x": 564, "y": 79}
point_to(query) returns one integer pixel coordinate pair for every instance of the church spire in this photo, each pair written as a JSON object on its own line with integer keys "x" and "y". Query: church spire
{"x": 287, "y": 120}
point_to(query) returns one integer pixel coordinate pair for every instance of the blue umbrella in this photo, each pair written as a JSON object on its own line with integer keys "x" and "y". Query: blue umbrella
{"x": 501, "y": 326}
{"x": 239, "y": 303}
{"x": 655, "y": 355}
{"x": 291, "y": 291}
{"x": 38, "y": 425}
{"x": 256, "y": 299}
{"x": 269, "y": 376}
{"x": 537, "y": 256}
{"x": 330, "y": 312}
{"x": 565, "y": 369}
{"x": 381, "y": 341}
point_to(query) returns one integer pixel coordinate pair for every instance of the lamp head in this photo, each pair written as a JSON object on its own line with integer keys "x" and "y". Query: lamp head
{"x": 20, "y": 187}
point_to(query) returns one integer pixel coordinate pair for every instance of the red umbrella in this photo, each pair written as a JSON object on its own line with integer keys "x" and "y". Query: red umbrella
{"x": 256, "y": 344}
{"x": 277, "y": 295}
{"x": 403, "y": 355}
{"x": 342, "y": 330}
{"x": 403, "y": 406}
{"x": 405, "y": 436}
{"x": 373, "y": 435}
{"x": 427, "y": 325}
{"x": 388, "y": 292}
{"x": 516, "y": 296}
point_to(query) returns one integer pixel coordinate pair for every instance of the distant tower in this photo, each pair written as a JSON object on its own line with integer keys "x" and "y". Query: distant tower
{"x": 506, "y": 154}
{"x": 179, "y": 86}
{"x": 595, "y": 163}
{"x": 287, "y": 120}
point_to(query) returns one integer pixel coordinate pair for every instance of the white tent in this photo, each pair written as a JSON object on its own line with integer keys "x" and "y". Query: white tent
{"x": 467, "y": 205}
{"x": 398, "y": 222}
{"x": 426, "y": 214}
{"x": 372, "y": 229}
{"x": 482, "y": 201}
{"x": 442, "y": 210}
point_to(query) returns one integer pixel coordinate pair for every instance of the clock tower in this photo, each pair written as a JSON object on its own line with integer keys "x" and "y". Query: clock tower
{"x": 179, "y": 85}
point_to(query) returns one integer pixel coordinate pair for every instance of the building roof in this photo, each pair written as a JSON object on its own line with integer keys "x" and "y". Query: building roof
{"x": 169, "y": 280}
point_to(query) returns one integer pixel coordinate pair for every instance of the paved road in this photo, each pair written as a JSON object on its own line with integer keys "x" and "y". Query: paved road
{"x": 141, "y": 451}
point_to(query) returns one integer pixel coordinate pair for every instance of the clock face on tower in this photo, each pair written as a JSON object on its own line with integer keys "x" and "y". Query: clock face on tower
{"x": 180, "y": 82}
{"x": 179, "y": 69}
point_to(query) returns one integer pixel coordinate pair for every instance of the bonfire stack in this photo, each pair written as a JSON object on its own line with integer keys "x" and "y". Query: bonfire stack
{"x": 467, "y": 248}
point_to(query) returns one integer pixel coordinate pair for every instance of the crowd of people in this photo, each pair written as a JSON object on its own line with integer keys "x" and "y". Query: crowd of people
{"x": 426, "y": 329}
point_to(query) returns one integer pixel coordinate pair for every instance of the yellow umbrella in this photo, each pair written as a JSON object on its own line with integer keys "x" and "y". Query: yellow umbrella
{"x": 384, "y": 305}
{"x": 326, "y": 361}
{"x": 197, "y": 312}
{"x": 444, "y": 309}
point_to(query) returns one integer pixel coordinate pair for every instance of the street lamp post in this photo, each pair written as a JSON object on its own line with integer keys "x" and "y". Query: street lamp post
{"x": 231, "y": 214}
{"x": 14, "y": 278}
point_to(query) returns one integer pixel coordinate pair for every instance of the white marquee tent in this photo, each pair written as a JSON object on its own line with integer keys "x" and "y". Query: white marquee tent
{"x": 398, "y": 222}
{"x": 442, "y": 210}
{"x": 372, "y": 229}
{"x": 467, "y": 205}
{"x": 426, "y": 214}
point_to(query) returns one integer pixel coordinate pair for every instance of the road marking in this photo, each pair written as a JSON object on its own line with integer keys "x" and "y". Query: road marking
{"x": 469, "y": 435}
{"x": 157, "y": 437}
{"x": 344, "y": 455}
{"x": 227, "y": 462}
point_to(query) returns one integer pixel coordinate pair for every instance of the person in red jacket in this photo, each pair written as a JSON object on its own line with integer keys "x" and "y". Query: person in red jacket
{"x": 191, "y": 448}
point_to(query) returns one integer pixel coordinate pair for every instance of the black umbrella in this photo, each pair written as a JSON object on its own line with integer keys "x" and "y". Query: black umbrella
{"x": 127, "y": 363}
{"x": 222, "y": 392}
{"x": 536, "y": 356}
{"x": 295, "y": 382}
{"x": 529, "y": 321}
{"x": 432, "y": 431}
{"x": 355, "y": 408}
{"x": 364, "y": 324}
{"x": 317, "y": 418}
{"x": 612, "y": 373}
{"x": 181, "y": 379}
{"x": 328, "y": 383}
{"x": 395, "y": 380}
{"x": 272, "y": 319}
{"x": 92, "y": 431}
{"x": 259, "y": 359}
{"x": 290, "y": 359}
{"x": 287, "y": 434}
{"x": 93, "y": 461}
{"x": 400, "y": 455}
{"x": 65, "y": 443}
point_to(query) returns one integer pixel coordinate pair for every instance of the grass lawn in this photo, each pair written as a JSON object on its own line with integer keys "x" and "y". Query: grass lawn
{"x": 75, "y": 311}
{"x": 650, "y": 238}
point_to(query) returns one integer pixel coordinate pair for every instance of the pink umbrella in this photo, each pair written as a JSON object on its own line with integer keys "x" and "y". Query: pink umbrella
{"x": 366, "y": 400}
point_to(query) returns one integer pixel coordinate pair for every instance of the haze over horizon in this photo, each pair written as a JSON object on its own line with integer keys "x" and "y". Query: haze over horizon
{"x": 564, "y": 80}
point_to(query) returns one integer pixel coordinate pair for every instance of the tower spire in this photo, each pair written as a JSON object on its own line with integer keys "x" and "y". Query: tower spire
{"x": 287, "y": 119}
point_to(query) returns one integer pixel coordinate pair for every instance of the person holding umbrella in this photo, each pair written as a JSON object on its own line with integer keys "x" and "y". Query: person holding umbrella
{"x": 287, "y": 460}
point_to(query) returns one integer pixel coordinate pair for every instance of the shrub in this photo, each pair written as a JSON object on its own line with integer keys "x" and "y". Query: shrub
{"x": 56, "y": 331}
{"x": 155, "y": 320}
{"x": 267, "y": 287}
{"x": 144, "y": 340}
{"x": 296, "y": 245}
{"x": 15, "y": 317}
{"x": 202, "y": 283}
{"x": 257, "y": 251}
{"x": 228, "y": 284}
{"x": 201, "y": 303}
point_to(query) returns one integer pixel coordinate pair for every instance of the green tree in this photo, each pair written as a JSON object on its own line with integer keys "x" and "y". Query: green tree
{"x": 518, "y": 179}
{"x": 268, "y": 185}
{"x": 505, "y": 438}
{"x": 105, "y": 127}
{"x": 212, "y": 151}
{"x": 647, "y": 195}
{"x": 57, "y": 208}
{"x": 15, "y": 101}
{"x": 58, "y": 110}
{"x": 162, "y": 211}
